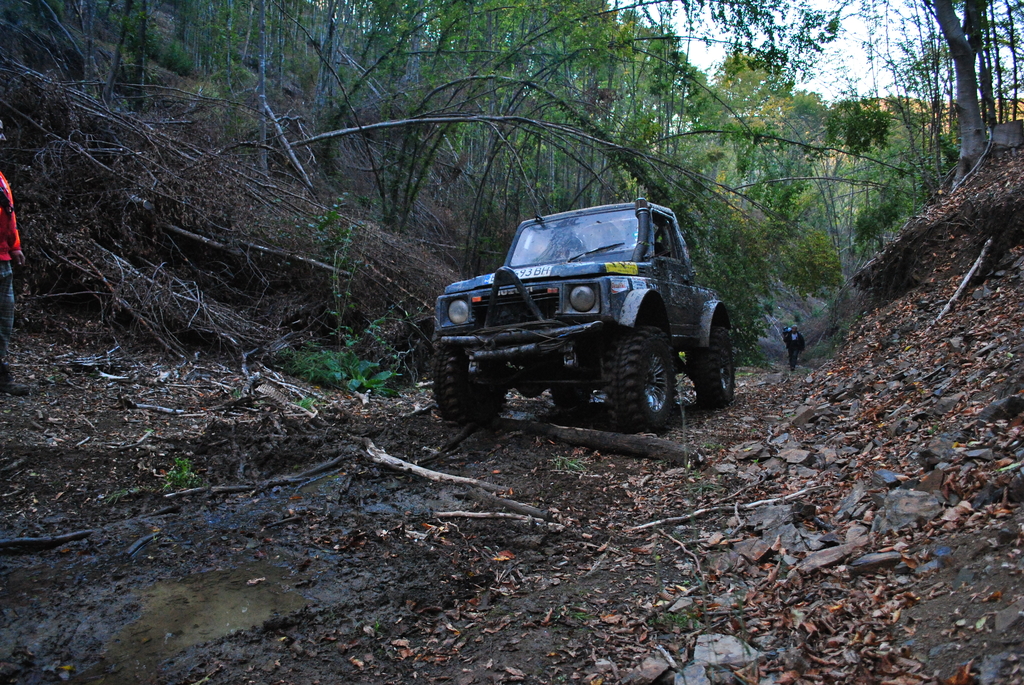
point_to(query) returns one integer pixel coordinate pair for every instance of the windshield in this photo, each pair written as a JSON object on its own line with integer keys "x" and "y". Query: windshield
{"x": 587, "y": 238}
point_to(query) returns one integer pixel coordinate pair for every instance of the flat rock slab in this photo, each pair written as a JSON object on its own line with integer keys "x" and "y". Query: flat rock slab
{"x": 1010, "y": 616}
{"x": 803, "y": 415}
{"x": 825, "y": 557}
{"x": 850, "y": 502}
{"x": 753, "y": 549}
{"x": 692, "y": 674}
{"x": 932, "y": 482}
{"x": 645, "y": 674}
{"x": 681, "y": 604}
{"x": 749, "y": 451}
{"x": 724, "y": 650}
{"x": 793, "y": 456}
{"x": 901, "y": 508}
{"x": 884, "y": 478}
{"x": 875, "y": 562}
{"x": 984, "y": 454}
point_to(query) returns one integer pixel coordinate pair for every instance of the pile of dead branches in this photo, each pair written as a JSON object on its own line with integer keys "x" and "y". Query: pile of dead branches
{"x": 163, "y": 227}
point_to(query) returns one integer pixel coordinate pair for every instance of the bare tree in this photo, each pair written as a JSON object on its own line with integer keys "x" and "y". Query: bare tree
{"x": 957, "y": 34}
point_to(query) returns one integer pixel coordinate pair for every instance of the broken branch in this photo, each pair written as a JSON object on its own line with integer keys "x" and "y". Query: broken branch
{"x": 510, "y": 504}
{"x": 728, "y": 507}
{"x": 381, "y": 457}
{"x": 496, "y": 515}
{"x": 967, "y": 278}
{"x": 22, "y": 545}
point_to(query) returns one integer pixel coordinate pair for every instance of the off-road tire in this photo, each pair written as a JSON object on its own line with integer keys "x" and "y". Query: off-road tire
{"x": 569, "y": 397}
{"x": 712, "y": 371}
{"x": 457, "y": 398}
{"x": 641, "y": 392}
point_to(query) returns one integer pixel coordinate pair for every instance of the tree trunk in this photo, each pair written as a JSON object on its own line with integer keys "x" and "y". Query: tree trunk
{"x": 115, "y": 63}
{"x": 262, "y": 85}
{"x": 88, "y": 28}
{"x": 972, "y": 129}
{"x": 143, "y": 29}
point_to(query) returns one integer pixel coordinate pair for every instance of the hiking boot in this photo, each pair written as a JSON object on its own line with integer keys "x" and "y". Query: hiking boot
{"x": 7, "y": 384}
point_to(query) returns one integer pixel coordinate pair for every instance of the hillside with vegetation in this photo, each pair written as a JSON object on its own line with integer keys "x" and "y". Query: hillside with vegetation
{"x": 337, "y": 127}
{"x": 237, "y": 216}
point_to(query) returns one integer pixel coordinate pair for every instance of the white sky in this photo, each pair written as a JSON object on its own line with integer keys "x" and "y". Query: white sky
{"x": 843, "y": 69}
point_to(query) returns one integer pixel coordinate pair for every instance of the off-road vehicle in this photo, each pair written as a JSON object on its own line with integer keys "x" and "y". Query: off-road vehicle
{"x": 593, "y": 299}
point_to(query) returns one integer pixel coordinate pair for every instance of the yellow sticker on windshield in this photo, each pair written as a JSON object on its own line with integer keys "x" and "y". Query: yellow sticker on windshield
{"x": 621, "y": 268}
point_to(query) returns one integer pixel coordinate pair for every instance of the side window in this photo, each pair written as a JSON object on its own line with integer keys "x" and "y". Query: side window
{"x": 662, "y": 239}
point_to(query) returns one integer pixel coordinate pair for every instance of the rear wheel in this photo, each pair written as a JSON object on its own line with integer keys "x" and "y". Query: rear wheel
{"x": 642, "y": 388}
{"x": 459, "y": 399}
{"x": 712, "y": 371}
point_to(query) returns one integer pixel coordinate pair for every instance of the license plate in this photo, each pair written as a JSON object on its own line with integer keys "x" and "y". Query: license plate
{"x": 534, "y": 272}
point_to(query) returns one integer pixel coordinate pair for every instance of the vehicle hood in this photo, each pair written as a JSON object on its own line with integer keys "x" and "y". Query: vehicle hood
{"x": 548, "y": 272}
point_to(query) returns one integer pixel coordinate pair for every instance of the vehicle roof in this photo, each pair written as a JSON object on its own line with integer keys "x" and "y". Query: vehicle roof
{"x": 600, "y": 209}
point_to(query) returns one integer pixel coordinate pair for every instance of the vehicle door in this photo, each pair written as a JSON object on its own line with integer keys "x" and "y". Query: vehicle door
{"x": 672, "y": 267}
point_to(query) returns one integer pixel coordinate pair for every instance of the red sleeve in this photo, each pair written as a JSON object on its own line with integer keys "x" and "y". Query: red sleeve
{"x": 9, "y": 221}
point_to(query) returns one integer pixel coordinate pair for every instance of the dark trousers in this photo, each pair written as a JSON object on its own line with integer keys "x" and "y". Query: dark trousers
{"x": 6, "y": 306}
{"x": 793, "y": 354}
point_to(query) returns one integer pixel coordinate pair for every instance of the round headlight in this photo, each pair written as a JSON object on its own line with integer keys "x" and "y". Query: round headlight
{"x": 582, "y": 298}
{"x": 458, "y": 312}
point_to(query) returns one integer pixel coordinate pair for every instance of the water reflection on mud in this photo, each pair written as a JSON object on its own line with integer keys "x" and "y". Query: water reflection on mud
{"x": 205, "y": 606}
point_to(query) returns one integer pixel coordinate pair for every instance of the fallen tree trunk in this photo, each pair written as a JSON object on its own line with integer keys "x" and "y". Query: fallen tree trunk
{"x": 631, "y": 445}
{"x": 381, "y": 457}
{"x": 23, "y": 545}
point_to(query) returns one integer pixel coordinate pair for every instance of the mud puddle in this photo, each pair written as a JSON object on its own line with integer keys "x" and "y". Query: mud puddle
{"x": 198, "y": 608}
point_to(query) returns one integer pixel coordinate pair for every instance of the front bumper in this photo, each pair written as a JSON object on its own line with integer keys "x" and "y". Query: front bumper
{"x": 527, "y": 341}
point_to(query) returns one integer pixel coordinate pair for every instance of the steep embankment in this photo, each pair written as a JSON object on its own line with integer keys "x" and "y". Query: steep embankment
{"x": 921, "y": 410}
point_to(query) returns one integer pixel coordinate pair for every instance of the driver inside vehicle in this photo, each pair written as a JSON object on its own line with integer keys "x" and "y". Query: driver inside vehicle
{"x": 543, "y": 246}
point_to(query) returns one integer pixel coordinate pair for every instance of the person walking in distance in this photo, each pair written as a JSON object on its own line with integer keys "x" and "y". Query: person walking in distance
{"x": 10, "y": 251}
{"x": 794, "y": 344}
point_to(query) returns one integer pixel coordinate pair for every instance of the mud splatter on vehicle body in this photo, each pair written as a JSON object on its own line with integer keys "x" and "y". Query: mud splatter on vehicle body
{"x": 597, "y": 299}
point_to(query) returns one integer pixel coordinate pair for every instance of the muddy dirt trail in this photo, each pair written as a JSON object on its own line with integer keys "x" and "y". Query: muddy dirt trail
{"x": 359, "y": 574}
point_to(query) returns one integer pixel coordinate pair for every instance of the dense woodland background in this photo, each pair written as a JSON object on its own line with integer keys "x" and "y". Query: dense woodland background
{"x": 257, "y": 173}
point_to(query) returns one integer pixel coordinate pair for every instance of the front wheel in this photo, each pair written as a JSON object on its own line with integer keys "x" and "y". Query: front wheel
{"x": 459, "y": 399}
{"x": 642, "y": 387}
{"x": 712, "y": 372}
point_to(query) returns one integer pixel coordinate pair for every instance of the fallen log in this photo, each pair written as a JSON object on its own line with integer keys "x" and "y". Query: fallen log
{"x": 510, "y": 504}
{"x": 379, "y": 456}
{"x": 23, "y": 545}
{"x": 620, "y": 443}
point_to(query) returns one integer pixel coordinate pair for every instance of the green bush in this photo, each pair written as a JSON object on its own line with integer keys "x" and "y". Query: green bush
{"x": 336, "y": 369}
{"x": 174, "y": 58}
{"x": 181, "y": 476}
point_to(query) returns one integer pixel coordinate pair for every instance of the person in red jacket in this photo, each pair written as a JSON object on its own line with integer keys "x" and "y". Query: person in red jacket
{"x": 10, "y": 251}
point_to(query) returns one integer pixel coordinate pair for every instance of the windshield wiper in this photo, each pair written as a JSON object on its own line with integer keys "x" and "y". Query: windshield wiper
{"x": 603, "y": 248}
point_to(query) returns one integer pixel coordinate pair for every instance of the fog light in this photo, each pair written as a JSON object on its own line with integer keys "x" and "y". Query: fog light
{"x": 582, "y": 298}
{"x": 458, "y": 312}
